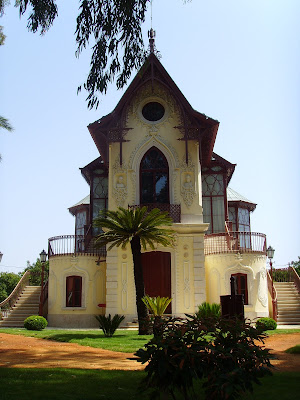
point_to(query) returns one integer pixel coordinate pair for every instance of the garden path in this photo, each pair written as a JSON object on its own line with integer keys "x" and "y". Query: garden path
{"x": 27, "y": 352}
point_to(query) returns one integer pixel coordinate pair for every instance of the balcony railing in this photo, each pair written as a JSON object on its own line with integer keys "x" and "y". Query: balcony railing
{"x": 174, "y": 210}
{"x": 73, "y": 245}
{"x": 235, "y": 242}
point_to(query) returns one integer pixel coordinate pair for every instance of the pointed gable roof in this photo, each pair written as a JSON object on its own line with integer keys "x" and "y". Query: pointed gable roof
{"x": 152, "y": 70}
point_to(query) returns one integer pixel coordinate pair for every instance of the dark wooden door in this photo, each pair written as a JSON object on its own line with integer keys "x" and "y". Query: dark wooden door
{"x": 241, "y": 285}
{"x": 157, "y": 274}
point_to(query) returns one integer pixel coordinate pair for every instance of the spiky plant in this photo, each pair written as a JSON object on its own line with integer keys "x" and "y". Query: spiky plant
{"x": 139, "y": 228}
{"x": 207, "y": 310}
{"x": 157, "y": 306}
{"x": 109, "y": 325}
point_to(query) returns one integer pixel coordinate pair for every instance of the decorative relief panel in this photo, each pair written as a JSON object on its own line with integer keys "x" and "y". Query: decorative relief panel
{"x": 262, "y": 287}
{"x": 147, "y": 94}
{"x": 152, "y": 141}
{"x": 119, "y": 191}
{"x": 187, "y": 287}
{"x": 187, "y": 181}
{"x": 124, "y": 294}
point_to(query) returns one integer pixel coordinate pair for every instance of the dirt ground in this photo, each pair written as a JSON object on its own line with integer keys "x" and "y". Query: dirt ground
{"x": 26, "y": 352}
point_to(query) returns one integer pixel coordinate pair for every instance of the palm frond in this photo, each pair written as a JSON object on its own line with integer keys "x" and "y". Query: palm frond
{"x": 122, "y": 225}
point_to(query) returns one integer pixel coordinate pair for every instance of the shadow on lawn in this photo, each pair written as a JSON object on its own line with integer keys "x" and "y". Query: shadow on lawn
{"x": 68, "y": 337}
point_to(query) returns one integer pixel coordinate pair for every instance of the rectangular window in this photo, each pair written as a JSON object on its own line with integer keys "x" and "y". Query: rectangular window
{"x": 73, "y": 291}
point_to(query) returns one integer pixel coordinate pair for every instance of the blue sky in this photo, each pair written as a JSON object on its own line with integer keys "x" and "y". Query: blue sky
{"x": 237, "y": 61}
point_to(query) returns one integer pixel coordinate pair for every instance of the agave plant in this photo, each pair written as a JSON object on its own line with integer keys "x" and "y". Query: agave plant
{"x": 108, "y": 324}
{"x": 157, "y": 306}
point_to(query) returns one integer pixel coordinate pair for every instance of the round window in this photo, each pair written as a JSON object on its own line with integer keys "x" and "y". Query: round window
{"x": 153, "y": 111}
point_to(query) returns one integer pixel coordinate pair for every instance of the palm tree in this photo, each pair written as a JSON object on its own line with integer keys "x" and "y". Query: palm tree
{"x": 141, "y": 229}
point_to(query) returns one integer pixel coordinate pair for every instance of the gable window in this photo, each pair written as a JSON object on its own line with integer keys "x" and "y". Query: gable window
{"x": 154, "y": 178}
{"x": 213, "y": 201}
{"x": 74, "y": 291}
{"x": 241, "y": 285}
{"x": 99, "y": 195}
{"x": 80, "y": 224}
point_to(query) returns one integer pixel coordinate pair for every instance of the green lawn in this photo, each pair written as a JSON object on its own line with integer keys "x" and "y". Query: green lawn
{"x": 76, "y": 384}
{"x": 282, "y": 331}
{"x": 123, "y": 340}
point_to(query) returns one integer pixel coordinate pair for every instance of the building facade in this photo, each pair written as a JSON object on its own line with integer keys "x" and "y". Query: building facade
{"x": 156, "y": 150}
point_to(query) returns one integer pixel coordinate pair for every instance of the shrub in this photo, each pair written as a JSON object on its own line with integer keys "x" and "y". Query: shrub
{"x": 224, "y": 353}
{"x": 207, "y": 310}
{"x": 35, "y": 323}
{"x": 266, "y": 324}
{"x": 108, "y": 324}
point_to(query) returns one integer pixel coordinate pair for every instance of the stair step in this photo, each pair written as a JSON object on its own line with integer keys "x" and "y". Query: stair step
{"x": 26, "y": 305}
{"x": 288, "y": 303}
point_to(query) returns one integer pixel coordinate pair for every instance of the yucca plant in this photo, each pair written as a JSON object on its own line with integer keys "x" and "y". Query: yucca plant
{"x": 109, "y": 325}
{"x": 157, "y": 306}
{"x": 207, "y": 310}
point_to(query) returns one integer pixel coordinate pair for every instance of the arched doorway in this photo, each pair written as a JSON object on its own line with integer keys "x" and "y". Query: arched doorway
{"x": 157, "y": 274}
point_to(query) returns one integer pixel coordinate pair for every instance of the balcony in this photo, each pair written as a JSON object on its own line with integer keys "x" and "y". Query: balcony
{"x": 235, "y": 242}
{"x": 174, "y": 210}
{"x": 73, "y": 245}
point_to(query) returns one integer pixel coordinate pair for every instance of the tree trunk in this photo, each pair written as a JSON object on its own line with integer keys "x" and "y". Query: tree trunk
{"x": 142, "y": 311}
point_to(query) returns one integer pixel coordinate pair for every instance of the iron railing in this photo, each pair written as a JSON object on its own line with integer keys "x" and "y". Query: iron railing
{"x": 288, "y": 274}
{"x": 235, "y": 242}
{"x": 174, "y": 210}
{"x": 73, "y": 245}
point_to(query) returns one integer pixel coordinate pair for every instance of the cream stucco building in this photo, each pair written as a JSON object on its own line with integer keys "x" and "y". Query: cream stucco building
{"x": 156, "y": 150}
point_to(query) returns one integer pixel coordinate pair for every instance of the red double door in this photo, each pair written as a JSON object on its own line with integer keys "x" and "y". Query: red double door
{"x": 157, "y": 274}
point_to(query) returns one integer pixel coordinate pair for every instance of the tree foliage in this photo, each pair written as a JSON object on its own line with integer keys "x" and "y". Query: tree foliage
{"x": 111, "y": 27}
{"x": 36, "y": 271}
{"x": 8, "y": 281}
{"x": 296, "y": 265}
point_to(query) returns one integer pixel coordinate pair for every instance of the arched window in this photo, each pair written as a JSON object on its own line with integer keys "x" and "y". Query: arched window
{"x": 154, "y": 178}
{"x": 73, "y": 291}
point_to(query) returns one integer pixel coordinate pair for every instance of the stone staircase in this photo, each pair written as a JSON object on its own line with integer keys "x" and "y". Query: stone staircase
{"x": 288, "y": 303}
{"x": 26, "y": 305}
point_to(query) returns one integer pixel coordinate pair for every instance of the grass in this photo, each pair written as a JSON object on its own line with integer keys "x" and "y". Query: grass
{"x": 76, "y": 384}
{"x": 282, "y": 331}
{"x": 294, "y": 349}
{"x": 125, "y": 341}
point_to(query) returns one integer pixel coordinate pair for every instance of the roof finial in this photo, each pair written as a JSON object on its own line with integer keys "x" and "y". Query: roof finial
{"x": 151, "y": 36}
